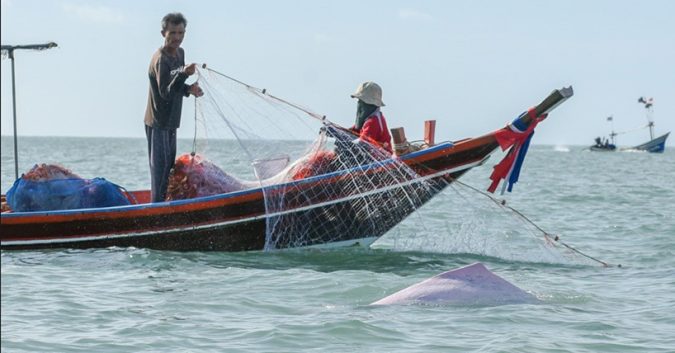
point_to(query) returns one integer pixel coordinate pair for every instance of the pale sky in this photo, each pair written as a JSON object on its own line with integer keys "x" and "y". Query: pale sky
{"x": 471, "y": 65}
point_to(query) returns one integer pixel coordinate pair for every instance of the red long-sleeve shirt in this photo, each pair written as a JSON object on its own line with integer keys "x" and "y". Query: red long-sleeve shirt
{"x": 375, "y": 130}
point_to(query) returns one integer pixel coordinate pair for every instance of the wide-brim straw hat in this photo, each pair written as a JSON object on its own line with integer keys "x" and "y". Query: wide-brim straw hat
{"x": 369, "y": 92}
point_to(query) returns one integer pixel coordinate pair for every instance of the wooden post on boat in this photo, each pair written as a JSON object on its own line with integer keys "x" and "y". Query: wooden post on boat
{"x": 9, "y": 49}
{"x": 429, "y": 132}
{"x": 400, "y": 142}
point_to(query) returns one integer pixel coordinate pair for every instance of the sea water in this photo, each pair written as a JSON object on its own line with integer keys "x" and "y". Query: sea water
{"x": 616, "y": 207}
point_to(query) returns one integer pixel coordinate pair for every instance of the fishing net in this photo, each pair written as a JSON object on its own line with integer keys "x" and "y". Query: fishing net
{"x": 321, "y": 184}
{"x": 469, "y": 221}
{"x": 193, "y": 176}
{"x": 342, "y": 191}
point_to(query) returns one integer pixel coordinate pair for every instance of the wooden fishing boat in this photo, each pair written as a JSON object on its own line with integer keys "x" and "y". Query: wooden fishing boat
{"x": 605, "y": 146}
{"x": 237, "y": 221}
{"x": 654, "y": 145}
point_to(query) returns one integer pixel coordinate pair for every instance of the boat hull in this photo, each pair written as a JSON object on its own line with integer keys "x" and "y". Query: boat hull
{"x": 657, "y": 145}
{"x": 608, "y": 148}
{"x": 235, "y": 221}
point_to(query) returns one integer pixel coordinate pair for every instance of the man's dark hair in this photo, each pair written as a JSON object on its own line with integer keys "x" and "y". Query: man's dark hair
{"x": 175, "y": 18}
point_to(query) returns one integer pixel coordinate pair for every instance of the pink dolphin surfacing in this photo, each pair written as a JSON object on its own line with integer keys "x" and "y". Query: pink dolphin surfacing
{"x": 470, "y": 285}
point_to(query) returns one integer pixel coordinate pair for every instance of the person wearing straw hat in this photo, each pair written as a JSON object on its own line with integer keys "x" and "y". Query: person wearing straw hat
{"x": 370, "y": 123}
{"x": 167, "y": 74}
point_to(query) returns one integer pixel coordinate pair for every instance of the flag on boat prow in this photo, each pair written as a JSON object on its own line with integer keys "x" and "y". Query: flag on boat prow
{"x": 517, "y": 136}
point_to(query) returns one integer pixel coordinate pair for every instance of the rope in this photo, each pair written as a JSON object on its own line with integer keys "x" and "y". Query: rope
{"x": 263, "y": 92}
{"x": 549, "y": 237}
{"x": 631, "y": 130}
{"x": 194, "y": 138}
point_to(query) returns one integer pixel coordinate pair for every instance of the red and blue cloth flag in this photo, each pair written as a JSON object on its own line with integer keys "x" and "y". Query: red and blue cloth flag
{"x": 517, "y": 137}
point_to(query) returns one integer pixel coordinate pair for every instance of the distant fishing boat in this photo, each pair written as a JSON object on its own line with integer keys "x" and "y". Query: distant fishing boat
{"x": 605, "y": 145}
{"x": 654, "y": 145}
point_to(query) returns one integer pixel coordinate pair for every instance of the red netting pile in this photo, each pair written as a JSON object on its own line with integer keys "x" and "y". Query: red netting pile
{"x": 320, "y": 162}
{"x": 43, "y": 172}
{"x": 194, "y": 176}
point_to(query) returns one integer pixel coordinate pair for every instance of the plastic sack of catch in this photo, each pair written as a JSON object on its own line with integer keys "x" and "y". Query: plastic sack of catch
{"x": 49, "y": 187}
{"x": 194, "y": 176}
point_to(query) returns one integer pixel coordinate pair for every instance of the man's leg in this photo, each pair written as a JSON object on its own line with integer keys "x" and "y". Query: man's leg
{"x": 148, "y": 136}
{"x": 162, "y": 148}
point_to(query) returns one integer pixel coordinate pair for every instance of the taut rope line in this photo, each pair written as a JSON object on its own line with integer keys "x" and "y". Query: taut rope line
{"x": 263, "y": 91}
{"x": 548, "y": 236}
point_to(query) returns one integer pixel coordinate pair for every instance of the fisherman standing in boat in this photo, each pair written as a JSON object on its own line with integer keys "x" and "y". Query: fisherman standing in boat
{"x": 167, "y": 74}
{"x": 371, "y": 126}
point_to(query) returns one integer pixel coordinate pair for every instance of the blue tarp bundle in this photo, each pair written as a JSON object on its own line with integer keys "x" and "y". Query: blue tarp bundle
{"x": 64, "y": 194}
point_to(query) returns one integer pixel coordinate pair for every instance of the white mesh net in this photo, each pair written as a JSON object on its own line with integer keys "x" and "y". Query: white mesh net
{"x": 342, "y": 191}
{"x": 321, "y": 184}
{"x": 323, "y": 187}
